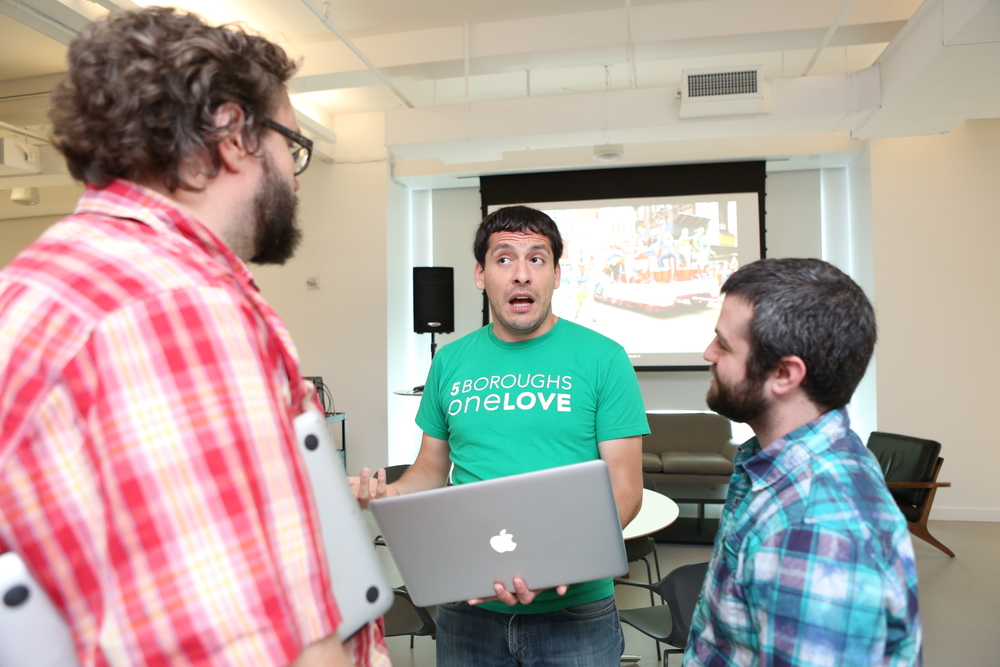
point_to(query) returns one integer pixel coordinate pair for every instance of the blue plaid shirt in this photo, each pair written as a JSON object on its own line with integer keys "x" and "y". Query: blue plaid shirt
{"x": 812, "y": 564}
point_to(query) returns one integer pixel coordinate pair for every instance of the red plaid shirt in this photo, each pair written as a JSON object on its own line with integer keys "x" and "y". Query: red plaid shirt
{"x": 149, "y": 474}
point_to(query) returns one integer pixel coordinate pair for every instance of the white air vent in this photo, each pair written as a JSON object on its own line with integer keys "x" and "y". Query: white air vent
{"x": 18, "y": 158}
{"x": 723, "y": 92}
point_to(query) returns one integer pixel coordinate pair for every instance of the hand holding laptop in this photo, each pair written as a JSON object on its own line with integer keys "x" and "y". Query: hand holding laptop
{"x": 458, "y": 542}
{"x": 521, "y": 593}
{"x": 367, "y": 488}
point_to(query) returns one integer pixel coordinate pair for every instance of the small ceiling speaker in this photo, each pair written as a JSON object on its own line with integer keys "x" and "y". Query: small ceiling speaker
{"x": 609, "y": 153}
{"x": 25, "y": 196}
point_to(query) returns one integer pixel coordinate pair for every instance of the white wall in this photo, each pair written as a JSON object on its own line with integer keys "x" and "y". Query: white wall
{"x": 16, "y": 235}
{"x": 408, "y": 245}
{"x": 457, "y": 213}
{"x": 438, "y": 233}
{"x": 859, "y": 264}
{"x": 935, "y": 203}
{"x": 340, "y": 330}
{"x": 792, "y": 214}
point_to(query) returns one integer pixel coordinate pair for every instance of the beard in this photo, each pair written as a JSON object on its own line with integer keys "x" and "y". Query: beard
{"x": 743, "y": 402}
{"x": 276, "y": 234}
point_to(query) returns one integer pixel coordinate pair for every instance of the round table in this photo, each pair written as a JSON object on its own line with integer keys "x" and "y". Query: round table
{"x": 657, "y": 513}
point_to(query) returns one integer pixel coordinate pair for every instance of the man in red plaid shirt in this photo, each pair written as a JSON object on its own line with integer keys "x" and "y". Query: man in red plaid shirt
{"x": 149, "y": 476}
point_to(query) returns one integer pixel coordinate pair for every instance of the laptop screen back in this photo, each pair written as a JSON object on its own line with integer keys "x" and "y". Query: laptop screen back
{"x": 550, "y": 527}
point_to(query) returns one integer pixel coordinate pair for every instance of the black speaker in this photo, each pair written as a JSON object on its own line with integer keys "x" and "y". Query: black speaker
{"x": 433, "y": 299}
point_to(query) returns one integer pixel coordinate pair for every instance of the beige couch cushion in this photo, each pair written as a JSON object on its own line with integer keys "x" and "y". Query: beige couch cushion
{"x": 651, "y": 462}
{"x": 687, "y": 432}
{"x": 695, "y": 462}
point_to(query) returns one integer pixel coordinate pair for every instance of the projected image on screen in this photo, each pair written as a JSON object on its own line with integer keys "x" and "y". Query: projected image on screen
{"x": 646, "y": 272}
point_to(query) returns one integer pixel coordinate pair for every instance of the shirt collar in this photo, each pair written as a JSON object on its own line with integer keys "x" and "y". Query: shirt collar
{"x": 524, "y": 344}
{"x": 782, "y": 457}
{"x": 129, "y": 200}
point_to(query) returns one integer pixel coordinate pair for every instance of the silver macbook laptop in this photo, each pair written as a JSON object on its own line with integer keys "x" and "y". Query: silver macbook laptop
{"x": 550, "y": 527}
{"x": 32, "y": 631}
{"x": 359, "y": 583}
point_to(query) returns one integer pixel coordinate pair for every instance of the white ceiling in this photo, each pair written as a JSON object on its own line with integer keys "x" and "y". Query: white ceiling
{"x": 488, "y": 86}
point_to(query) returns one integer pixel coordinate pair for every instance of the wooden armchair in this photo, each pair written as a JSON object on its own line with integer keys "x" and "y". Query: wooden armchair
{"x": 911, "y": 467}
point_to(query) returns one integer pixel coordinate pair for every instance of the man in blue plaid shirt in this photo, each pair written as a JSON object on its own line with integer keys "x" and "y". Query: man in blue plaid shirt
{"x": 812, "y": 563}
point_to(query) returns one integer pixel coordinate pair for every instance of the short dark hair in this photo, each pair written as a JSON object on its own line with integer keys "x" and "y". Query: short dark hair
{"x": 143, "y": 89}
{"x": 522, "y": 219}
{"x": 811, "y": 309}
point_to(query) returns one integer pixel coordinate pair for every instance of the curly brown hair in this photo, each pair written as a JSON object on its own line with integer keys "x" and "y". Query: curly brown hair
{"x": 143, "y": 89}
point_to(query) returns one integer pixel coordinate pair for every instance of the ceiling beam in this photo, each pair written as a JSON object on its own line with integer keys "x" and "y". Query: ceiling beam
{"x": 942, "y": 69}
{"x": 62, "y": 28}
{"x": 324, "y": 17}
{"x": 438, "y": 54}
{"x": 483, "y": 131}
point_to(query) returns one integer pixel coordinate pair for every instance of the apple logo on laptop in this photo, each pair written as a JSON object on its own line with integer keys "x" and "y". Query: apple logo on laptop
{"x": 503, "y": 542}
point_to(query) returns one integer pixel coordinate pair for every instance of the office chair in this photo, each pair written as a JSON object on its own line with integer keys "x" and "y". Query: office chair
{"x": 669, "y": 623}
{"x": 393, "y": 473}
{"x": 406, "y": 618}
{"x": 639, "y": 548}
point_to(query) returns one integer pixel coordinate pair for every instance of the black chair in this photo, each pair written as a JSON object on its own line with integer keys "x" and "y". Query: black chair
{"x": 393, "y": 473}
{"x": 639, "y": 548}
{"x": 669, "y": 623}
{"x": 405, "y": 618}
{"x": 911, "y": 467}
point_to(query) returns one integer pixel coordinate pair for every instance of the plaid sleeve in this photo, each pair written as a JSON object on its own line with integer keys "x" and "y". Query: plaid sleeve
{"x": 161, "y": 497}
{"x": 818, "y": 598}
{"x": 369, "y": 646}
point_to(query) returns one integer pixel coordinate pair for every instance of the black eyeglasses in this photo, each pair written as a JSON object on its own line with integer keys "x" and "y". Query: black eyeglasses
{"x": 301, "y": 148}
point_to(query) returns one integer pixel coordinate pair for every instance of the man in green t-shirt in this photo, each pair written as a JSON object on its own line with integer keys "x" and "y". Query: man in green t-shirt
{"x": 530, "y": 391}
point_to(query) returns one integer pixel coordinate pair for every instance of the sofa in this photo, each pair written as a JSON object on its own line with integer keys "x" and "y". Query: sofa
{"x": 688, "y": 448}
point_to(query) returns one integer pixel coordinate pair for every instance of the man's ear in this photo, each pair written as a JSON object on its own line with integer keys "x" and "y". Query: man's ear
{"x": 233, "y": 151}
{"x": 788, "y": 376}
{"x": 480, "y": 276}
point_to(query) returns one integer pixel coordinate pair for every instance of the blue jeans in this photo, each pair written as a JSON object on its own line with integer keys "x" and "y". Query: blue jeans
{"x": 584, "y": 635}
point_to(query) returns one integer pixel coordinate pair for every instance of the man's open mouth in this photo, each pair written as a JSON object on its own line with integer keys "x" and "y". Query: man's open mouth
{"x": 519, "y": 303}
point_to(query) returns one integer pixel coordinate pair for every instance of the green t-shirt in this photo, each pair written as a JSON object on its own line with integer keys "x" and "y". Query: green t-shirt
{"x": 509, "y": 408}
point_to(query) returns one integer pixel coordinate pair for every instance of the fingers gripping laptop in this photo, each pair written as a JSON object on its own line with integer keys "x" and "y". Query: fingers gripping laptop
{"x": 550, "y": 527}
